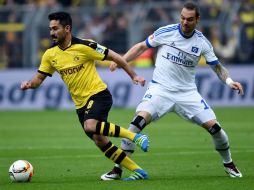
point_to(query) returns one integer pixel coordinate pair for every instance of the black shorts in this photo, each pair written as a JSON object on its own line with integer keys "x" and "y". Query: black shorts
{"x": 97, "y": 107}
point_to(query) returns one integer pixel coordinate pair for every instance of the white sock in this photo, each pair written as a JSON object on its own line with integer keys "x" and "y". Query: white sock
{"x": 127, "y": 145}
{"x": 220, "y": 140}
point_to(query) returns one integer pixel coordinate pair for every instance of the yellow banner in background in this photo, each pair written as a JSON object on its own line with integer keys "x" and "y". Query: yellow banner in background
{"x": 12, "y": 27}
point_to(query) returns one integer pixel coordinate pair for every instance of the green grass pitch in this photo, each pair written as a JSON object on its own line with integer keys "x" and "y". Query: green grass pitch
{"x": 181, "y": 154}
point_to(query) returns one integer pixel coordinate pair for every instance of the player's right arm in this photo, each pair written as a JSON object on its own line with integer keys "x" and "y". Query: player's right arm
{"x": 135, "y": 51}
{"x": 132, "y": 54}
{"x": 44, "y": 70}
{"x": 34, "y": 82}
{"x": 154, "y": 40}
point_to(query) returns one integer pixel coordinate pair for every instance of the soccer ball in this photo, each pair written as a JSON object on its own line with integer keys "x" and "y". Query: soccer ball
{"x": 21, "y": 171}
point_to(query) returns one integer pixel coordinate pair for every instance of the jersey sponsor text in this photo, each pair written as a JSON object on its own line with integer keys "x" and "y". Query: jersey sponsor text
{"x": 70, "y": 71}
{"x": 178, "y": 60}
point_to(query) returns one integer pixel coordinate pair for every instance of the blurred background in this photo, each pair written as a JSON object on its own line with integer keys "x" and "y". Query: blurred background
{"x": 119, "y": 24}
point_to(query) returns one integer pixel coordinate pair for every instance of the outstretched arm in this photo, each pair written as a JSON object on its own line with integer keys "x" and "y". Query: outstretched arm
{"x": 133, "y": 53}
{"x": 113, "y": 56}
{"x": 223, "y": 75}
{"x": 34, "y": 83}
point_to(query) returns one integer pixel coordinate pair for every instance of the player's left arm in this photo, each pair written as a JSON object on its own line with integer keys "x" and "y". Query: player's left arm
{"x": 35, "y": 82}
{"x": 113, "y": 56}
{"x": 224, "y": 76}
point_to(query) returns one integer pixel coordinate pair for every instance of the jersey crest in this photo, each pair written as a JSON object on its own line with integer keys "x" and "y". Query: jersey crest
{"x": 194, "y": 49}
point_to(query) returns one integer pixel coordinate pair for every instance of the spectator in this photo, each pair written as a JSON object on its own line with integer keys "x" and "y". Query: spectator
{"x": 13, "y": 50}
{"x": 115, "y": 35}
{"x": 246, "y": 37}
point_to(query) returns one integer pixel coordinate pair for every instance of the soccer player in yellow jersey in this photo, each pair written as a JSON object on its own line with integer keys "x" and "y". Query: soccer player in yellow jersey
{"x": 74, "y": 59}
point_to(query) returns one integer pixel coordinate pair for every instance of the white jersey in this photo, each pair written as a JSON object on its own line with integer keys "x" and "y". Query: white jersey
{"x": 178, "y": 55}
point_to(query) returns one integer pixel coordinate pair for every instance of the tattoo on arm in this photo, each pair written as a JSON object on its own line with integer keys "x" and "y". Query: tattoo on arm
{"x": 221, "y": 72}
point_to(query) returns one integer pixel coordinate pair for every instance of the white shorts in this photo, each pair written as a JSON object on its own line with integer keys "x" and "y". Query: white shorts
{"x": 188, "y": 104}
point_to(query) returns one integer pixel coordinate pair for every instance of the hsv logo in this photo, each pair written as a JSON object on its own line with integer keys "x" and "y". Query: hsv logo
{"x": 72, "y": 70}
{"x": 194, "y": 49}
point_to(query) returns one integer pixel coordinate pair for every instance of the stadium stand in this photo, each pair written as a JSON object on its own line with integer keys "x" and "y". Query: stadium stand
{"x": 118, "y": 24}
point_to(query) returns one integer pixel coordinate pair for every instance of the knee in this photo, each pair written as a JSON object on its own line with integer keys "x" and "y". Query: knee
{"x": 214, "y": 129}
{"x": 90, "y": 126}
{"x": 141, "y": 120}
{"x": 145, "y": 115}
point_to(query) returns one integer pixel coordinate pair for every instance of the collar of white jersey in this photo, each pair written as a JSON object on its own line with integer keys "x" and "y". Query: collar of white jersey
{"x": 182, "y": 34}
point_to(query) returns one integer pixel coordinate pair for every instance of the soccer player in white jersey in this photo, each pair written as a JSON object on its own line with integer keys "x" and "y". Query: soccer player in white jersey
{"x": 173, "y": 87}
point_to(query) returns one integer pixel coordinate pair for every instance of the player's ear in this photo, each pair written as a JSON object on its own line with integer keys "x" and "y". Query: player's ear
{"x": 198, "y": 19}
{"x": 68, "y": 28}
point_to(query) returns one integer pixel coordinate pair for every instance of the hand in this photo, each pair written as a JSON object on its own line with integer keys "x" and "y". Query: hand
{"x": 237, "y": 86}
{"x": 139, "y": 80}
{"x": 25, "y": 85}
{"x": 113, "y": 66}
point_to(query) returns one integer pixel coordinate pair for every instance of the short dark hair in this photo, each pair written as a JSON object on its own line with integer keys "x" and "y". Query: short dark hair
{"x": 63, "y": 17}
{"x": 190, "y": 5}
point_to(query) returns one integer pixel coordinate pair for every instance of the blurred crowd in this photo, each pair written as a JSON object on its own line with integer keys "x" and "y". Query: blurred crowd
{"x": 118, "y": 24}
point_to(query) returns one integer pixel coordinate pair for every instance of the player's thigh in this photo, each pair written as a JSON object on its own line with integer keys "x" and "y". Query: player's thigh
{"x": 156, "y": 102}
{"x": 97, "y": 107}
{"x": 193, "y": 107}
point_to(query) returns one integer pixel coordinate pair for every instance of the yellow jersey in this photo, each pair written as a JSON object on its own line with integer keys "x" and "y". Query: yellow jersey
{"x": 76, "y": 66}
